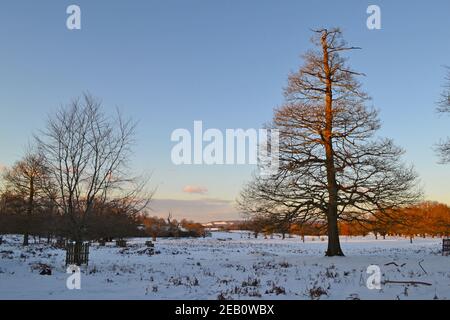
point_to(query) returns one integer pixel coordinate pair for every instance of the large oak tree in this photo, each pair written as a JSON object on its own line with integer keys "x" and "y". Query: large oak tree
{"x": 332, "y": 165}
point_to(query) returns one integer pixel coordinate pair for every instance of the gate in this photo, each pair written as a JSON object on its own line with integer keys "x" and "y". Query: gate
{"x": 446, "y": 247}
{"x": 77, "y": 253}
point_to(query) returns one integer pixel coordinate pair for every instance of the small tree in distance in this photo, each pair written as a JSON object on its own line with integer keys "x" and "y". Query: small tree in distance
{"x": 28, "y": 179}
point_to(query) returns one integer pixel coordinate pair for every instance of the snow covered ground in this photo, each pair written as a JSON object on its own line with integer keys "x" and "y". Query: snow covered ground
{"x": 230, "y": 266}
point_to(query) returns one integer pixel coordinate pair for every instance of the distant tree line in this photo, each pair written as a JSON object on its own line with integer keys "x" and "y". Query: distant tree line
{"x": 159, "y": 227}
{"x": 426, "y": 219}
{"x": 106, "y": 221}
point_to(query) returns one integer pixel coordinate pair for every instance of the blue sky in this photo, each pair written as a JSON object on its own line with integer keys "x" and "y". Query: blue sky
{"x": 168, "y": 63}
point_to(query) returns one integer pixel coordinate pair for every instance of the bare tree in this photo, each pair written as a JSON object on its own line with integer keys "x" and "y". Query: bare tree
{"x": 29, "y": 179}
{"x": 87, "y": 152}
{"x": 173, "y": 225}
{"x": 332, "y": 167}
{"x": 443, "y": 147}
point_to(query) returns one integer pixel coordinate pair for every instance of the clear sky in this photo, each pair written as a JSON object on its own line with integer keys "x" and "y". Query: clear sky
{"x": 168, "y": 63}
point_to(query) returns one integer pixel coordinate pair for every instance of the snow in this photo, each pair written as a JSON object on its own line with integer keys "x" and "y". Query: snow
{"x": 230, "y": 265}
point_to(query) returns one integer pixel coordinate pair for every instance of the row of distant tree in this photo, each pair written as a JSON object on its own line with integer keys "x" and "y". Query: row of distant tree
{"x": 430, "y": 219}
{"x": 106, "y": 221}
{"x": 160, "y": 227}
{"x": 110, "y": 220}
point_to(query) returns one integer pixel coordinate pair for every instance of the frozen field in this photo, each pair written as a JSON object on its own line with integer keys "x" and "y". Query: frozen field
{"x": 230, "y": 266}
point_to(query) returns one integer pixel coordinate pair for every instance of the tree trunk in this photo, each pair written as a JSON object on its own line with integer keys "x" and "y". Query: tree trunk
{"x": 78, "y": 243}
{"x": 77, "y": 253}
{"x": 29, "y": 212}
{"x": 26, "y": 239}
{"x": 334, "y": 247}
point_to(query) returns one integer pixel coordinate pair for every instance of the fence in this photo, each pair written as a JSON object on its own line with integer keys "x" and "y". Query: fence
{"x": 446, "y": 247}
{"x": 77, "y": 253}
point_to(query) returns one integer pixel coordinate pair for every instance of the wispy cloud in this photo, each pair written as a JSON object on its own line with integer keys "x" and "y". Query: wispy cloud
{"x": 195, "y": 189}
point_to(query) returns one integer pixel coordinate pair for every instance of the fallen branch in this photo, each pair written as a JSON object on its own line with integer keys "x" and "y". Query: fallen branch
{"x": 395, "y": 264}
{"x": 407, "y": 282}
{"x": 421, "y": 266}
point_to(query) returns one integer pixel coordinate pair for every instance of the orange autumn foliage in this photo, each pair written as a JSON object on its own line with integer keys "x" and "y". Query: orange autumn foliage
{"x": 424, "y": 219}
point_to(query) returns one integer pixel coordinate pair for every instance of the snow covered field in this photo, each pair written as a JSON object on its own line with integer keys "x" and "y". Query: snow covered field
{"x": 230, "y": 266}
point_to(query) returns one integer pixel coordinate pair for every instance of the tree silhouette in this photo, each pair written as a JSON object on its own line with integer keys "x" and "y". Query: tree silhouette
{"x": 332, "y": 167}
